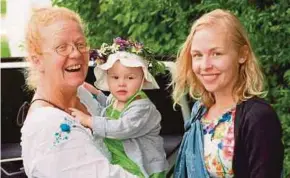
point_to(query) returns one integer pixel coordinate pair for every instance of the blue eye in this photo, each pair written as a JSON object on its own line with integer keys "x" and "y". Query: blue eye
{"x": 216, "y": 54}
{"x": 196, "y": 56}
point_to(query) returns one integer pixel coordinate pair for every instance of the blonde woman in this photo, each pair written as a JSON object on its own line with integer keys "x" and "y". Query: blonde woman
{"x": 232, "y": 132}
{"x": 53, "y": 143}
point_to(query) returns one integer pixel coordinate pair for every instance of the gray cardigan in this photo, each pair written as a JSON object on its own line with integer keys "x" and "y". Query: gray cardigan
{"x": 139, "y": 128}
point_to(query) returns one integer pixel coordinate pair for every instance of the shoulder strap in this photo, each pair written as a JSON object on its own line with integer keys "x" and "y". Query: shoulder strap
{"x": 196, "y": 113}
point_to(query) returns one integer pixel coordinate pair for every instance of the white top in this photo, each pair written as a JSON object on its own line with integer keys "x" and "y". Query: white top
{"x": 49, "y": 151}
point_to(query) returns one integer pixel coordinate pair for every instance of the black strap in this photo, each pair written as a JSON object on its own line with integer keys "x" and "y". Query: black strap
{"x": 49, "y": 102}
{"x": 23, "y": 110}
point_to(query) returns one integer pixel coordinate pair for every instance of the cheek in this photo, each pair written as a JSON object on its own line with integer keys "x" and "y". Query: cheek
{"x": 86, "y": 58}
{"x": 53, "y": 65}
{"x": 234, "y": 70}
{"x": 110, "y": 83}
{"x": 195, "y": 66}
{"x": 221, "y": 66}
{"x": 227, "y": 66}
{"x": 134, "y": 85}
{"x": 58, "y": 62}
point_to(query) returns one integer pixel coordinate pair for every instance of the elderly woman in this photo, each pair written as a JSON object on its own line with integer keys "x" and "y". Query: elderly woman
{"x": 232, "y": 132}
{"x": 53, "y": 143}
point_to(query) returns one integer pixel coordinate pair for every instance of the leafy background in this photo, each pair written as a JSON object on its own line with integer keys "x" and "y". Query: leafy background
{"x": 5, "y": 52}
{"x": 164, "y": 24}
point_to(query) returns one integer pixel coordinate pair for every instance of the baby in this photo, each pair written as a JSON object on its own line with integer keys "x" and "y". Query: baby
{"x": 129, "y": 123}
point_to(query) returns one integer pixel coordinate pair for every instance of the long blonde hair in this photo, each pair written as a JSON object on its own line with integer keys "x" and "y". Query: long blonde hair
{"x": 250, "y": 80}
{"x": 40, "y": 18}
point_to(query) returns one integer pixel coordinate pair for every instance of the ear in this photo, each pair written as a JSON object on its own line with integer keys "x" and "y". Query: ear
{"x": 37, "y": 61}
{"x": 244, "y": 52}
{"x": 242, "y": 60}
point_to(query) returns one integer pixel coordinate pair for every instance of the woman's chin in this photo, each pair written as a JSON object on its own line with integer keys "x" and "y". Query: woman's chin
{"x": 76, "y": 83}
{"x": 210, "y": 89}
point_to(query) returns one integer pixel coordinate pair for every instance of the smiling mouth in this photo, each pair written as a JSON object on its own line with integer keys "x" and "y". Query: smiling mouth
{"x": 209, "y": 77}
{"x": 73, "y": 68}
{"x": 208, "y": 74}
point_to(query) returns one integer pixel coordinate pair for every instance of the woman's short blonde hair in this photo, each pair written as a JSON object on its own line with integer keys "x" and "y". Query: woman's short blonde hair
{"x": 40, "y": 18}
{"x": 250, "y": 81}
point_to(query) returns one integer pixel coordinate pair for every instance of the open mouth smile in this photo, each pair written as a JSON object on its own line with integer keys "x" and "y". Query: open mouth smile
{"x": 73, "y": 68}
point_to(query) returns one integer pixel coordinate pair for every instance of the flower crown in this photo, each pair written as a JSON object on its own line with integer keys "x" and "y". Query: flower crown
{"x": 100, "y": 56}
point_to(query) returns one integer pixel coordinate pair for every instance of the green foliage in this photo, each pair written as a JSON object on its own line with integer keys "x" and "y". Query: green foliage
{"x": 89, "y": 12}
{"x": 5, "y": 52}
{"x": 163, "y": 25}
{"x": 269, "y": 31}
{"x": 3, "y": 7}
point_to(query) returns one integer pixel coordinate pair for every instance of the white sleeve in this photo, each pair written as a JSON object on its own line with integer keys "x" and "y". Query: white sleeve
{"x": 73, "y": 154}
{"x": 136, "y": 121}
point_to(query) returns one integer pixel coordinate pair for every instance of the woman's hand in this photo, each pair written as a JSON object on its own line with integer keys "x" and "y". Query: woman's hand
{"x": 84, "y": 119}
{"x": 91, "y": 88}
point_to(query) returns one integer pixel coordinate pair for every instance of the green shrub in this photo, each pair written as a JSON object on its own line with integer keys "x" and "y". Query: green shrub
{"x": 3, "y": 7}
{"x": 5, "y": 52}
{"x": 164, "y": 24}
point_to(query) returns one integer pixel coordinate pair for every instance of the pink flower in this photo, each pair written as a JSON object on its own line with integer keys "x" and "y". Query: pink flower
{"x": 228, "y": 152}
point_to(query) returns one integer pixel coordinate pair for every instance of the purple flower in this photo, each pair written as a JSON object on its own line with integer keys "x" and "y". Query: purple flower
{"x": 97, "y": 57}
{"x": 120, "y": 41}
{"x": 94, "y": 54}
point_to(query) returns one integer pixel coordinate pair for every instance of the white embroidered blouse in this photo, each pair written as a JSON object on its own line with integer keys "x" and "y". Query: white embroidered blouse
{"x": 56, "y": 145}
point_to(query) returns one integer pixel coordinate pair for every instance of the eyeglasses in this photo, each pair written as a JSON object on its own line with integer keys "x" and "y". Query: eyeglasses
{"x": 66, "y": 49}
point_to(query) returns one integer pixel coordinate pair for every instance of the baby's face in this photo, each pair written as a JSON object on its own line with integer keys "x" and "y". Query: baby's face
{"x": 124, "y": 81}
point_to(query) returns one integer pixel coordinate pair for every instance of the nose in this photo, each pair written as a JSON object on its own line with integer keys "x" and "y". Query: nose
{"x": 75, "y": 52}
{"x": 121, "y": 82}
{"x": 206, "y": 63}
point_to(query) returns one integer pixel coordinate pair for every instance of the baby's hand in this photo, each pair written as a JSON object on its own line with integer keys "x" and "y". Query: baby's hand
{"x": 91, "y": 88}
{"x": 84, "y": 119}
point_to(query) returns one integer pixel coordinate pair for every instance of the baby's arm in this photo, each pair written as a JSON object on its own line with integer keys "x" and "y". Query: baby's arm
{"x": 98, "y": 94}
{"x": 84, "y": 119}
{"x": 91, "y": 88}
{"x": 135, "y": 122}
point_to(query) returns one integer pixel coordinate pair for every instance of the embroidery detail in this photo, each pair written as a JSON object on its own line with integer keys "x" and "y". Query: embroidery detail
{"x": 64, "y": 130}
{"x": 65, "y": 127}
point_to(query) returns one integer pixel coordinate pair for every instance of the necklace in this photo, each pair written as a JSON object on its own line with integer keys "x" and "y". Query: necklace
{"x": 23, "y": 110}
{"x": 49, "y": 102}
